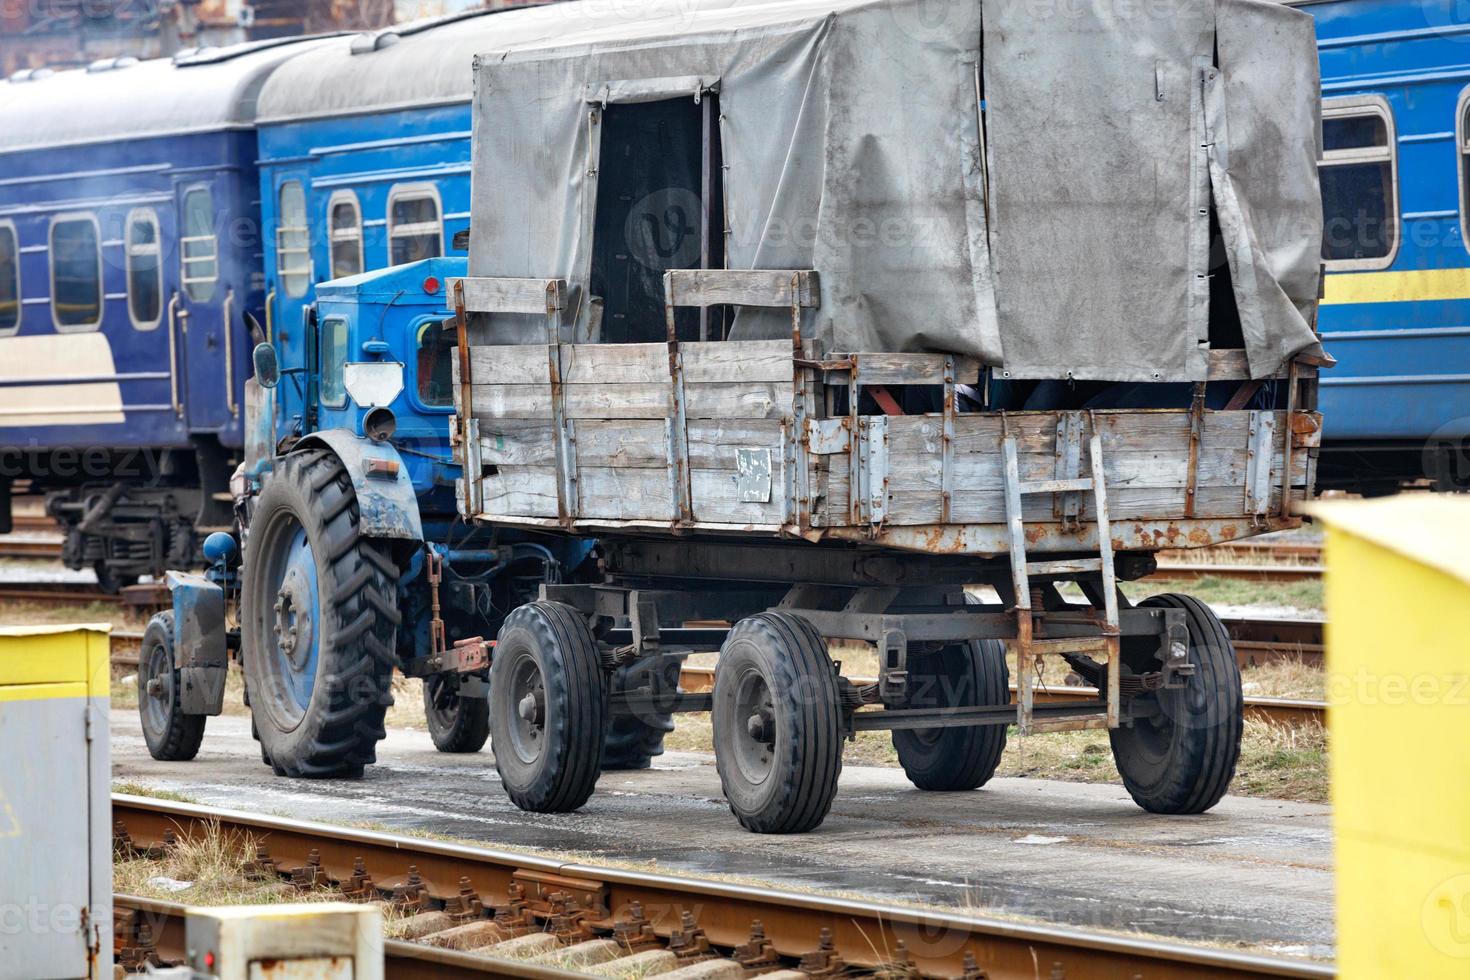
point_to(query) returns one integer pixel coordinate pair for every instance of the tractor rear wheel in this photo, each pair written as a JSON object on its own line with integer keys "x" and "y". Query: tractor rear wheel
{"x": 318, "y": 622}
{"x": 1179, "y": 754}
{"x": 171, "y": 735}
{"x": 777, "y": 722}
{"x": 548, "y": 720}
{"x": 633, "y": 740}
{"x": 456, "y": 724}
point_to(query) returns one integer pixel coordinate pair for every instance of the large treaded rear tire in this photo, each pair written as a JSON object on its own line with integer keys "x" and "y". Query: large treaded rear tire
{"x": 171, "y": 735}
{"x": 548, "y": 750}
{"x": 355, "y": 622}
{"x": 1181, "y": 759}
{"x": 634, "y": 740}
{"x": 961, "y": 675}
{"x": 774, "y": 668}
{"x": 457, "y": 725}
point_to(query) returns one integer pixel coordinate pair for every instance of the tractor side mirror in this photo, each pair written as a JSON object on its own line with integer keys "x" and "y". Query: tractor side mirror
{"x": 267, "y": 368}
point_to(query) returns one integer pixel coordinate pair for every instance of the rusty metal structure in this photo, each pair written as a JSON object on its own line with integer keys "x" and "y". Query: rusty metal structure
{"x": 458, "y": 900}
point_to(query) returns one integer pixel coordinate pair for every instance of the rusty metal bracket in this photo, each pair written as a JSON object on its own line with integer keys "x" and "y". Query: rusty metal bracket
{"x": 434, "y": 570}
{"x": 1196, "y": 430}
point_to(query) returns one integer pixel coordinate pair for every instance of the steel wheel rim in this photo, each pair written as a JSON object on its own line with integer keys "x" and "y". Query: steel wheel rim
{"x": 157, "y": 707}
{"x": 527, "y": 715}
{"x": 291, "y": 619}
{"x": 753, "y": 734}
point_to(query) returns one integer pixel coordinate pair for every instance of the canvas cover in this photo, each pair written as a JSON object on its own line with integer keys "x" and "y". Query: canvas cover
{"x": 986, "y": 179}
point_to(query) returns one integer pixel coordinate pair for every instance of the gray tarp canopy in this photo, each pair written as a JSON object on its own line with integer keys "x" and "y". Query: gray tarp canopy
{"x": 1029, "y": 186}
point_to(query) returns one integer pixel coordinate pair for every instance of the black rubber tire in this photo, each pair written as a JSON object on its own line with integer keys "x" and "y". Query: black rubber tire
{"x": 456, "y": 724}
{"x": 1181, "y": 760}
{"x": 110, "y": 582}
{"x": 356, "y": 584}
{"x": 961, "y": 675}
{"x": 559, "y": 772}
{"x": 634, "y": 740}
{"x": 786, "y": 655}
{"x": 171, "y": 735}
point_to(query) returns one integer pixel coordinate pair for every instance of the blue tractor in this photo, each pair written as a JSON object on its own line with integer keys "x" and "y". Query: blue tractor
{"x": 348, "y": 560}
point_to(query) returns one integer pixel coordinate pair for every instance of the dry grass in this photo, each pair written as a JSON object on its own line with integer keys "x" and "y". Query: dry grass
{"x": 1306, "y": 596}
{"x": 211, "y": 864}
{"x": 24, "y": 613}
{"x": 1285, "y": 679}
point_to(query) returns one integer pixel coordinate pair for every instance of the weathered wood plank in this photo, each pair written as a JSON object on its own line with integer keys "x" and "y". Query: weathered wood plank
{"x": 738, "y": 361}
{"x": 619, "y": 401}
{"x": 614, "y": 363}
{"x": 912, "y": 369}
{"x": 528, "y": 364}
{"x": 716, "y": 498}
{"x": 518, "y": 442}
{"x": 771, "y": 400}
{"x": 520, "y": 492}
{"x": 741, "y": 287}
{"x": 635, "y": 444}
{"x": 494, "y": 402}
{"x": 625, "y": 494}
{"x": 487, "y": 295}
{"x": 713, "y": 442}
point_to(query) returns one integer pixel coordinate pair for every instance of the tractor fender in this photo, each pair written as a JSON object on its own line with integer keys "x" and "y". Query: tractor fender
{"x": 386, "y": 501}
{"x": 200, "y": 651}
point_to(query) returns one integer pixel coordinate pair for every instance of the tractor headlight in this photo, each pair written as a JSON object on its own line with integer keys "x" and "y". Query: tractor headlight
{"x": 373, "y": 384}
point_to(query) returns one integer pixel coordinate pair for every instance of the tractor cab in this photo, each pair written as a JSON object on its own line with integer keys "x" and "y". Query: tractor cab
{"x": 384, "y": 346}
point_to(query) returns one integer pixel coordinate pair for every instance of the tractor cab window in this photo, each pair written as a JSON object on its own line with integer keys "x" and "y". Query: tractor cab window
{"x": 415, "y": 231}
{"x": 76, "y": 273}
{"x": 199, "y": 246}
{"x": 659, "y": 207}
{"x": 293, "y": 248}
{"x": 145, "y": 272}
{"x": 9, "y": 281}
{"x": 346, "y": 231}
{"x": 436, "y": 348}
{"x": 334, "y": 363}
{"x": 1359, "y": 184}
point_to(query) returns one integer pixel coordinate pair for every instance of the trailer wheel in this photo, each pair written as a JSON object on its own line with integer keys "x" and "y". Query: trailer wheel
{"x": 777, "y": 724}
{"x": 633, "y": 740}
{"x": 961, "y": 675}
{"x": 172, "y": 736}
{"x": 548, "y": 721}
{"x": 318, "y": 622}
{"x": 1180, "y": 755}
{"x": 456, "y": 724}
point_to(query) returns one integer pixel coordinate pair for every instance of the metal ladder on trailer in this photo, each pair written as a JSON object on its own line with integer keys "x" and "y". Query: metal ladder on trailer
{"x": 1030, "y": 647}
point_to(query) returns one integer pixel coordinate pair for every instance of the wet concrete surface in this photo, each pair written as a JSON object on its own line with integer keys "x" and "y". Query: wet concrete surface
{"x": 1253, "y": 873}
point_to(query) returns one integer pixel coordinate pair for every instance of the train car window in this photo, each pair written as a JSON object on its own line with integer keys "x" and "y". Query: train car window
{"x": 345, "y": 228}
{"x": 1359, "y": 184}
{"x": 9, "y": 281}
{"x": 334, "y": 362}
{"x": 198, "y": 246}
{"x": 1462, "y": 140}
{"x": 145, "y": 269}
{"x": 437, "y": 343}
{"x": 76, "y": 273}
{"x": 293, "y": 243}
{"x": 415, "y": 230}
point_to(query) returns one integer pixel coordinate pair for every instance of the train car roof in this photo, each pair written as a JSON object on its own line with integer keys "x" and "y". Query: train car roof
{"x": 198, "y": 90}
{"x": 431, "y": 62}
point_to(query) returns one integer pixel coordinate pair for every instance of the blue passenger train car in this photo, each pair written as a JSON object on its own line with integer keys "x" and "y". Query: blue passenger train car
{"x": 129, "y": 254}
{"x": 1396, "y": 311}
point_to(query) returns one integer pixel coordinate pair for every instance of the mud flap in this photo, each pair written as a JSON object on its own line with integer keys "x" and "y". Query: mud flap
{"x": 200, "y": 651}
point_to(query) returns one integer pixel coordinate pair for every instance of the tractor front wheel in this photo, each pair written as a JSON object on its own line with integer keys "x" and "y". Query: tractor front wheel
{"x": 318, "y": 622}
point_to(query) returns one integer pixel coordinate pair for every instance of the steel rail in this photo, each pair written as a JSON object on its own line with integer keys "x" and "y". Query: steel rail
{"x": 866, "y": 934}
{"x": 1190, "y": 572}
{"x": 401, "y": 960}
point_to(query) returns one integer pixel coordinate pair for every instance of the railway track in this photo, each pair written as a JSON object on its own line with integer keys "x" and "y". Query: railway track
{"x": 491, "y": 896}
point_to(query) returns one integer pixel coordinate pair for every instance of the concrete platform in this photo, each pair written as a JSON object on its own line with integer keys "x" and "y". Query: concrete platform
{"x": 1251, "y": 873}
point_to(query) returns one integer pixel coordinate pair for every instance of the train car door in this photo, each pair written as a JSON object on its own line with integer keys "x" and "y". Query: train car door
{"x": 199, "y": 307}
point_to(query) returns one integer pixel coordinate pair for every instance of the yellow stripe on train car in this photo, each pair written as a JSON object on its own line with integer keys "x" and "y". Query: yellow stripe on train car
{"x": 1412, "y": 286}
{"x": 1398, "y": 660}
{"x": 46, "y": 662}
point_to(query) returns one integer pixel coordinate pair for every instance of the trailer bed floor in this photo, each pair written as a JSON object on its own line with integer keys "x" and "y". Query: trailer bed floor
{"x": 1251, "y": 873}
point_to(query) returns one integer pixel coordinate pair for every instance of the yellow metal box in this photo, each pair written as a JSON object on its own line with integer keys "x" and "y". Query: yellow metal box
{"x": 1398, "y": 656}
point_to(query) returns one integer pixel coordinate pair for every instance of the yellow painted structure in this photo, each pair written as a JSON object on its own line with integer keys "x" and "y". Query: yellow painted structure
{"x": 55, "y": 810}
{"x": 42, "y": 662}
{"x": 1398, "y": 659}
